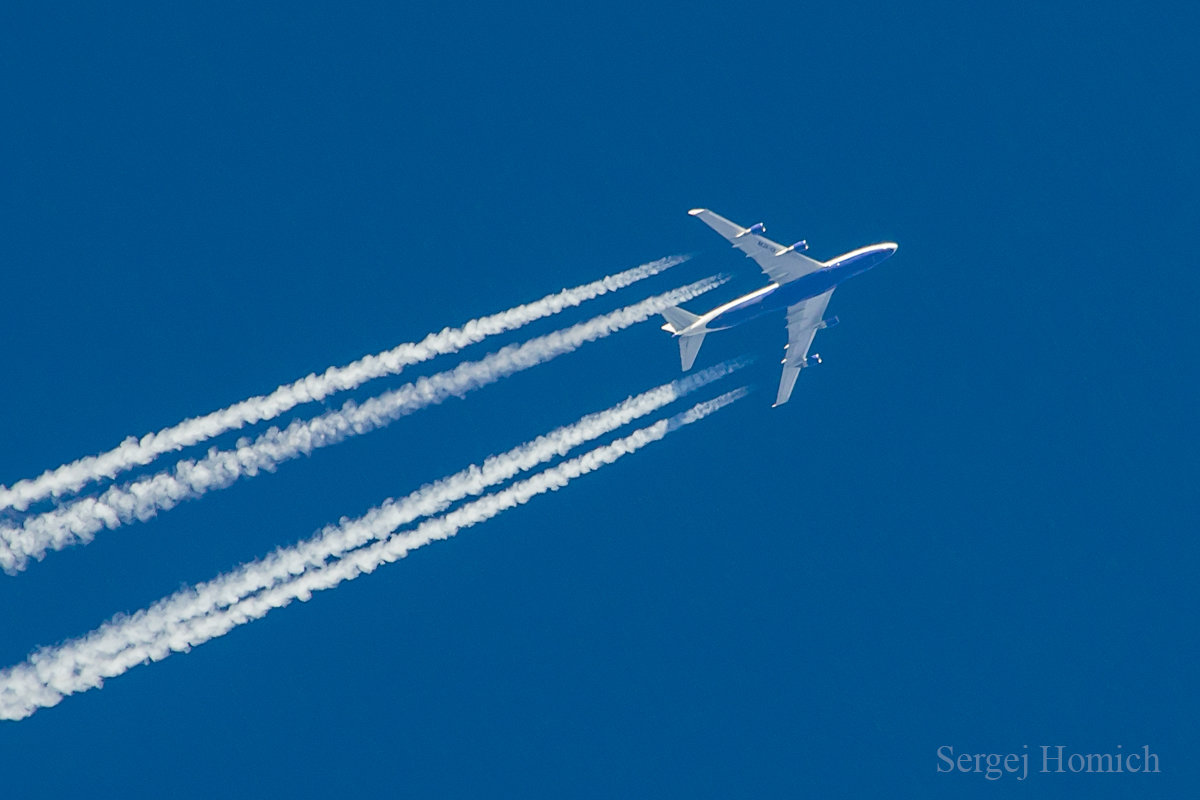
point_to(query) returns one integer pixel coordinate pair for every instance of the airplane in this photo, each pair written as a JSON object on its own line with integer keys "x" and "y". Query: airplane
{"x": 800, "y": 284}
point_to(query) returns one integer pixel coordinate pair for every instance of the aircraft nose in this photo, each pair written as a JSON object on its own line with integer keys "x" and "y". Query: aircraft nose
{"x": 885, "y": 251}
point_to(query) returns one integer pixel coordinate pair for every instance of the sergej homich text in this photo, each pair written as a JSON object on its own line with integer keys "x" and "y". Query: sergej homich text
{"x": 1047, "y": 759}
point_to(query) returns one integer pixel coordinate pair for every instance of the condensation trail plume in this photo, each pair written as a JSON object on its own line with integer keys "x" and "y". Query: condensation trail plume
{"x": 134, "y": 452}
{"x": 336, "y": 540}
{"x": 165, "y": 619}
{"x": 52, "y": 673}
{"x": 80, "y": 520}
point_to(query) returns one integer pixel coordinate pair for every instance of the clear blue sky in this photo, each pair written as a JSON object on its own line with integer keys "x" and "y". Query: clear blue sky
{"x": 973, "y": 526}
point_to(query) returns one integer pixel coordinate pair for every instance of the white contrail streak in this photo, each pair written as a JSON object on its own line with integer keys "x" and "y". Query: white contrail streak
{"x": 165, "y": 618}
{"x": 134, "y": 452}
{"x": 334, "y": 541}
{"x": 80, "y": 520}
{"x": 51, "y": 673}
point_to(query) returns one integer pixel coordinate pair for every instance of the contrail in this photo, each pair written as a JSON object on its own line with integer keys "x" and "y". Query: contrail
{"x": 335, "y": 541}
{"x": 171, "y": 614}
{"x": 134, "y": 452}
{"x": 51, "y": 673}
{"x": 79, "y": 520}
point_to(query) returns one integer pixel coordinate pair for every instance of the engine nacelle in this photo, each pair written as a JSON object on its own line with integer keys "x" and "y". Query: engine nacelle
{"x": 811, "y": 361}
{"x": 757, "y": 227}
{"x": 798, "y": 247}
{"x": 827, "y": 323}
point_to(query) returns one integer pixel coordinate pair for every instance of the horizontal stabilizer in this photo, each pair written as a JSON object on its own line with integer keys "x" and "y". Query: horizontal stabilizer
{"x": 689, "y": 346}
{"x": 678, "y": 319}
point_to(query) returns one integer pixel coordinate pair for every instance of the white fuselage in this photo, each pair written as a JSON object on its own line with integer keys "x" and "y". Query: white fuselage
{"x": 776, "y": 296}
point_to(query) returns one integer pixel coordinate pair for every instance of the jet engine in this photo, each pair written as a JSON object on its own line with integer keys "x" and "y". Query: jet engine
{"x": 757, "y": 227}
{"x": 798, "y": 247}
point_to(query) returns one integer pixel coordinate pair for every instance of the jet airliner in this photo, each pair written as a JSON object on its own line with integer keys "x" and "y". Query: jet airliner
{"x": 800, "y": 284}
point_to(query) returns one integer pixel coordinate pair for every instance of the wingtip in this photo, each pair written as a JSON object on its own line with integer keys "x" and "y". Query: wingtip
{"x": 696, "y": 211}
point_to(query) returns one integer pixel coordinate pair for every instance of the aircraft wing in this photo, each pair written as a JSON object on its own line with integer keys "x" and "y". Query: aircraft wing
{"x": 803, "y": 321}
{"x": 780, "y": 266}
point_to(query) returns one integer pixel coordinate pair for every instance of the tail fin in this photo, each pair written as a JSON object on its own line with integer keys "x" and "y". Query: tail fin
{"x": 678, "y": 319}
